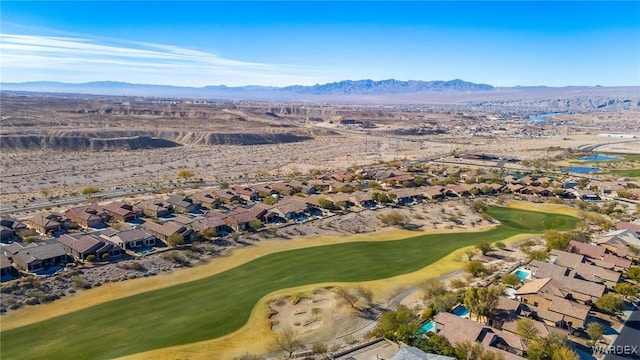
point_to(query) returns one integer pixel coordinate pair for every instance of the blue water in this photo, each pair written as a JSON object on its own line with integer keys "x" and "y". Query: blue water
{"x": 599, "y": 158}
{"x": 460, "y": 310}
{"x": 521, "y": 274}
{"x": 430, "y": 326}
{"x": 143, "y": 250}
{"x": 541, "y": 117}
{"x": 581, "y": 169}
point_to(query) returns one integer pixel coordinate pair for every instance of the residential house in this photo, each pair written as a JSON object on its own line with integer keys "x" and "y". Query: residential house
{"x": 435, "y": 192}
{"x": 535, "y": 291}
{"x": 413, "y": 353}
{"x": 457, "y": 329}
{"x": 40, "y": 256}
{"x": 617, "y": 263}
{"x": 362, "y": 199}
{"x": 588, "y": 250}
{"x": 283, "y": 188}
{"x": 154, "y": 208}
{"x": 9, "y": 229}
{"x": 167, "y": 229}
{"x": 586, "y": 195}
{"x": 566, "y": 259}
{"x": 320, "y": 185}
{"x": 6, "y": 268}
{"x": 600, "y": 256}
{"x": 183, "y": 204}
{"x": 227, "y": 196}
{"x": 458, "y": 190}
{"x": 245, "y": 193}
{"x": 619, "y": 241}
{"x": 121, "y": 211}
{"x": 407, "y": 196}
{"x": 47, "y": 223}
{"x": 551, "y": 303}
{"x": 239, "y": 219}
{"x": 341, "y": 197}
{"x": 622, "y": 225}
{"x": 206, "y": 198}
{"x": 82, "y": 245}
{"x": 92, "y": 216}
{"x": 596, "y": 274}
{"x": 543, "y": 269}
{"x": 212, "y": 222}
{"x": 290, "y": 209}
{"x": 130, "y": 238}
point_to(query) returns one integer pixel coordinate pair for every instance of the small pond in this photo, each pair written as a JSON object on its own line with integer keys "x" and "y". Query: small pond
{"x": 599, "y": 158}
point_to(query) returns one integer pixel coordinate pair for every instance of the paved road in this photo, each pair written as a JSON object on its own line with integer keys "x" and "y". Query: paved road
{"x": 629, "y": 337}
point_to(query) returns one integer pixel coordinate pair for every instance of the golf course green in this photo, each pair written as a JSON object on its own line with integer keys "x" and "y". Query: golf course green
{"x": 220, "y": 304}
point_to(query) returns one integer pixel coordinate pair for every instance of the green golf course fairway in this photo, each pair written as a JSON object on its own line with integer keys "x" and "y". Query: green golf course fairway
{"x": 220, "y": 304}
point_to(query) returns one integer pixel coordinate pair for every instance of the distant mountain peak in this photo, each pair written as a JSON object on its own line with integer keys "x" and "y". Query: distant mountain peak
{"x": 389, "y": 86}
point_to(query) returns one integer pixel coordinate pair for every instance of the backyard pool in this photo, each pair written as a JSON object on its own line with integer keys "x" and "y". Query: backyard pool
{"x": 143, "y": 250}
{"x": 430, "y": 326}
{"x": 523, "y": 274}
{"x": 461, "y": 311}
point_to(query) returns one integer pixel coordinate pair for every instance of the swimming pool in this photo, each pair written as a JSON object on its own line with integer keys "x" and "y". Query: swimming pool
{"x": 522, "y": 274}
{"x": 143, "y": 250}
{"x": 426, "y": 327}
{"x": 461, "y": 311}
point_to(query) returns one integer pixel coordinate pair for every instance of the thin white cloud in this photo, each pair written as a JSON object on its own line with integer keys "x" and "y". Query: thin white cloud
{"x": 23, "y": 57}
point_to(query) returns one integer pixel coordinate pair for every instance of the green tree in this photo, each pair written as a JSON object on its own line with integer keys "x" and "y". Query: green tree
{"x": 470, "y": 254}
{"x": 105, "y": 256}
{"x": 288, "y": 341}
{"x": 269, "y": 200}
{"x": 527, "y": 329}
{"x": 540, "y": 255}
{"x": 475, "y": 268}
{"x": 91, "y": 258}
{"x": 402, "y": 324}
{"x": 483, "y": 301}
{"x": 325, "y": 203}
{"x": 445, "y": 302}
{"x": 500, "y": 245}
{"x": 627, "y": 290}
{"x": 511, "y": 279}
{"x": 610, "y": 303}
{"x": 433, "y": 344}
{"x": 634, "y": 273}
{"x": 595, "y": 331}
{"x": 551, "y": 347}
{"x": 176, "y": 239}
{"x": 484, "y": 247}
{"x": 255, "y": 224}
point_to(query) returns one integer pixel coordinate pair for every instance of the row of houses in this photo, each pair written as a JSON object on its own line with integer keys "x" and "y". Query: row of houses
{"x": 43, "y": 255}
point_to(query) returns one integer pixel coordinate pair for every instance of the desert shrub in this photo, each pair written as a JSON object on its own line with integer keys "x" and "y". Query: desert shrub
{"x": 394, "y": 218}
{"x": 91, "y": 258}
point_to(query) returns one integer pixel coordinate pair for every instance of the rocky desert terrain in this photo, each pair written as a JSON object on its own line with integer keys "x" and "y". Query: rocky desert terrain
{"x": 55, "y": 144}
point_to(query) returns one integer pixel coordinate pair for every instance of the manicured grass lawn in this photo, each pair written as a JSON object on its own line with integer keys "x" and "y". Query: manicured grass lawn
{"x": 215, "y": 306}
{"x": 625, "y": 172}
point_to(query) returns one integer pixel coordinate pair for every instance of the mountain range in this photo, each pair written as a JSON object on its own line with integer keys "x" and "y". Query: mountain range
{"x": 359, "y": 92}
{"x": 346, "y": 87}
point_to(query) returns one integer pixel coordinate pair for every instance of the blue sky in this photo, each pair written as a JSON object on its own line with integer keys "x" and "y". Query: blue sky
{"x": 284, "y": 43}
